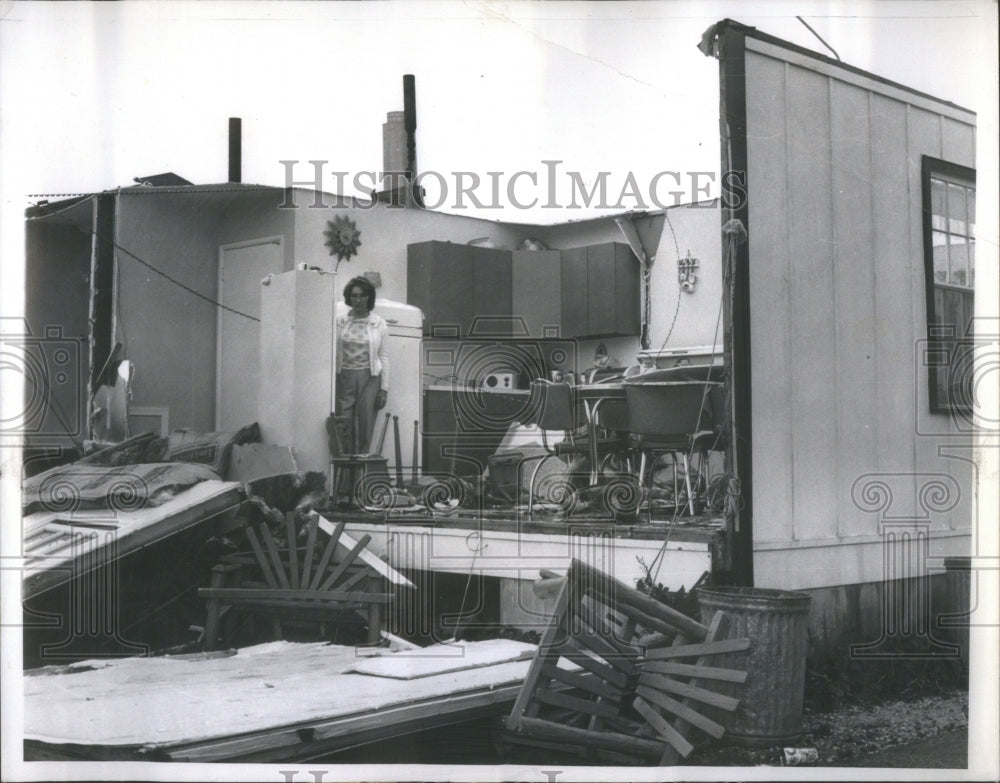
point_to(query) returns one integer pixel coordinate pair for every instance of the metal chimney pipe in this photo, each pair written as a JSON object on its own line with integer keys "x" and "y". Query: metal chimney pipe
{"x": 410, "y": 123}
{"x": 235, "y": 150}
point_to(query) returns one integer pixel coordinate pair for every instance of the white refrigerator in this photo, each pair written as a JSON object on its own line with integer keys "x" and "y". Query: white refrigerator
{"x": 297, "y": 385}
{"x": 405, "y": 386}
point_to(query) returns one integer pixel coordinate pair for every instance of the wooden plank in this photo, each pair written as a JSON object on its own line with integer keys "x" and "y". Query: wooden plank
{"x": 233, "y": 594}
{"x": 605, "y": 650}
{"x": 339, "y": 569}
{"x": 579, "y": 656}
{"x": 664, "y": 729}
{"x": 702, "y": 648}
{"x": 310, "y": 550}
{"x": 576, "y": 703}
{"x": 50, "y": 535}
{"x": 609, "y": 740}
{"x": 370, "y": 559}
{"x": 717, "y": 628}
{"x": 694, "y": 670}
{"x": 293, "y": 550}
{"x": 291, "y": 610}
{"x": 331, "y": 546}
{"x": 583, "y": 681}
{"x": 272, "y": 548}
{"x": 648, "y": 620}
{"x": 626, "y": 596}
{"x": 545, "y": 650}
{"x": 712, "y": 698}
{"x": 353, "y": 580}
{"x": 606, "y": 628}
{"x": 261, "y": 558}
{"x": 681, "y": 710}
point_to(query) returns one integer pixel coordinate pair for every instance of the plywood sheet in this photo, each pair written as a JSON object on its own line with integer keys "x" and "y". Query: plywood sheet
{"x": 156, "y": 702}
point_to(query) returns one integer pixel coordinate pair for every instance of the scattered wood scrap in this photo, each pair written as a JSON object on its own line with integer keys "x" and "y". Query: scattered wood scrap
{"x": 626, "y": 701}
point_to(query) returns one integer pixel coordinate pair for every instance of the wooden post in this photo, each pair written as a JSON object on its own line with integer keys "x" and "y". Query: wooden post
{"x": 374, "y": 612}
{"x": 220, "y": 576}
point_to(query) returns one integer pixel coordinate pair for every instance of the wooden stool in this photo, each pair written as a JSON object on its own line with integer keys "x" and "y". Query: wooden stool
{"x": 353, "y": 474}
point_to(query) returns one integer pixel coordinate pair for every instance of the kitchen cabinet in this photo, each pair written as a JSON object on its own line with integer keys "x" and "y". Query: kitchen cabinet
{"x": 599, "y": 291}
{"x": 469, "y": 291}
{"x": 462, "y": 428}
{"x": 491, "y": 292}
{"x": 573, "y": 293}
{"x": 461, "y": 289}
{"x": 439, "y": 283}
{"x": 537, "y": 279}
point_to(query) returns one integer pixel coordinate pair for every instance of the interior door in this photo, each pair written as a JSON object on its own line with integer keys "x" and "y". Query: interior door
{"x": 242, "y": 266}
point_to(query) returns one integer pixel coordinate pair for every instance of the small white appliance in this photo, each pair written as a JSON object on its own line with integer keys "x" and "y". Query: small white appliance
{"x": 498, "y": 381}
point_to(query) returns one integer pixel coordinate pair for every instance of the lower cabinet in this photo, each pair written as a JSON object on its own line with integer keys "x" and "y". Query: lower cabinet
{"x": 459, "y": 434}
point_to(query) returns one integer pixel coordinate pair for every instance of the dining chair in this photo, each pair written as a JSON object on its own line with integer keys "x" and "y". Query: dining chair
{"x": 557, "y": 409}
{"x": 671, "y": 418}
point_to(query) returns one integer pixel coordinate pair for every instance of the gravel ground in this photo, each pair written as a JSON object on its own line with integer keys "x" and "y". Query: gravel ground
{"x": 848, "y": 737}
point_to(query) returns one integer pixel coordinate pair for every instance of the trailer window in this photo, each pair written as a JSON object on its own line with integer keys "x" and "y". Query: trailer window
{"x": 949, "y": 199}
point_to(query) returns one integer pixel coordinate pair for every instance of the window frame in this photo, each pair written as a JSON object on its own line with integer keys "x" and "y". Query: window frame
{"x": 940, "y": 343}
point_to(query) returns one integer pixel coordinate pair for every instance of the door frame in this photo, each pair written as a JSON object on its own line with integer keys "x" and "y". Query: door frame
{"x": 276, "y": 239}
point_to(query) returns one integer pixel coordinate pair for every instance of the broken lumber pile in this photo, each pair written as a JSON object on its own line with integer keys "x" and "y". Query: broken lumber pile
{"x": 287, "y": 584}
{"x": 624, "y": 701}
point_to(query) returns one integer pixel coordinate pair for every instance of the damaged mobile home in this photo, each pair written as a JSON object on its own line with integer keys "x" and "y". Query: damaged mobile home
{"x": 755, "y": 389}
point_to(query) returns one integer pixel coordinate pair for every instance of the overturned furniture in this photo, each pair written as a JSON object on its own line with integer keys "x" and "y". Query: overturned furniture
{"x": 643, "y": 677}
{"x": 318, "y": 583}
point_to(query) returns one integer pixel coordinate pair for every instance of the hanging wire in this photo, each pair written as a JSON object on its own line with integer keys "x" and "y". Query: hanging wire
{"x": 472, "y": 569}
{"x": 677, "y": 308}
{"x": 811, "y": 30}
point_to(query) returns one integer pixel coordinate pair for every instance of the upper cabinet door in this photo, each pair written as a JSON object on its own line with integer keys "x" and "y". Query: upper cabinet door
{"x": 573, "y": 293}
{"x": 468, "y": 291}
{"x": 536, "y": 300}
{"x": 492, "y": 287}
{"x": 600, "y": 296}
{"x": 439, "y": 281}
{"x": 627, "y": 299}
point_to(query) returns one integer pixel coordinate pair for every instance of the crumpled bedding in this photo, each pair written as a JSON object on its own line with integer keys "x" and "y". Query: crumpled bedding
{"x": 77, "y": 487}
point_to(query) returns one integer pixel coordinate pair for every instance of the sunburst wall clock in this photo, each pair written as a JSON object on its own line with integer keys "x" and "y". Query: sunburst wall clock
{"x": 342, "y": 237}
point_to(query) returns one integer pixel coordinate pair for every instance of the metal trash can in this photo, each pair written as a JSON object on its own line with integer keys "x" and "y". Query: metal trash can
{"x": 776, "y": 622}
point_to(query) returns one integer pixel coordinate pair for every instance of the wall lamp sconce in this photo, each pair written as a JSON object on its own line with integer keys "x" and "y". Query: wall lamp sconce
{"x": 686, "y": 268}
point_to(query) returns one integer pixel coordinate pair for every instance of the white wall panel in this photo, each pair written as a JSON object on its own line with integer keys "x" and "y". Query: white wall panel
{"x": 837, "y": 318}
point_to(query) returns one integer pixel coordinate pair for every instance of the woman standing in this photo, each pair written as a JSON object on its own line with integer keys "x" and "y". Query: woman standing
{"x": 362, "y": 363}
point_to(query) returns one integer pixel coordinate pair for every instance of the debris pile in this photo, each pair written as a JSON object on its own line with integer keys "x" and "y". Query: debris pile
{"x": 595, "y": 691}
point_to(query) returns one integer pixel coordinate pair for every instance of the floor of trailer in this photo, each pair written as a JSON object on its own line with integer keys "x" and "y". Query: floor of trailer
{"x": 505, "y": 543}
{"x": 656, "y": 526}
{"x": 279, "y": 701}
